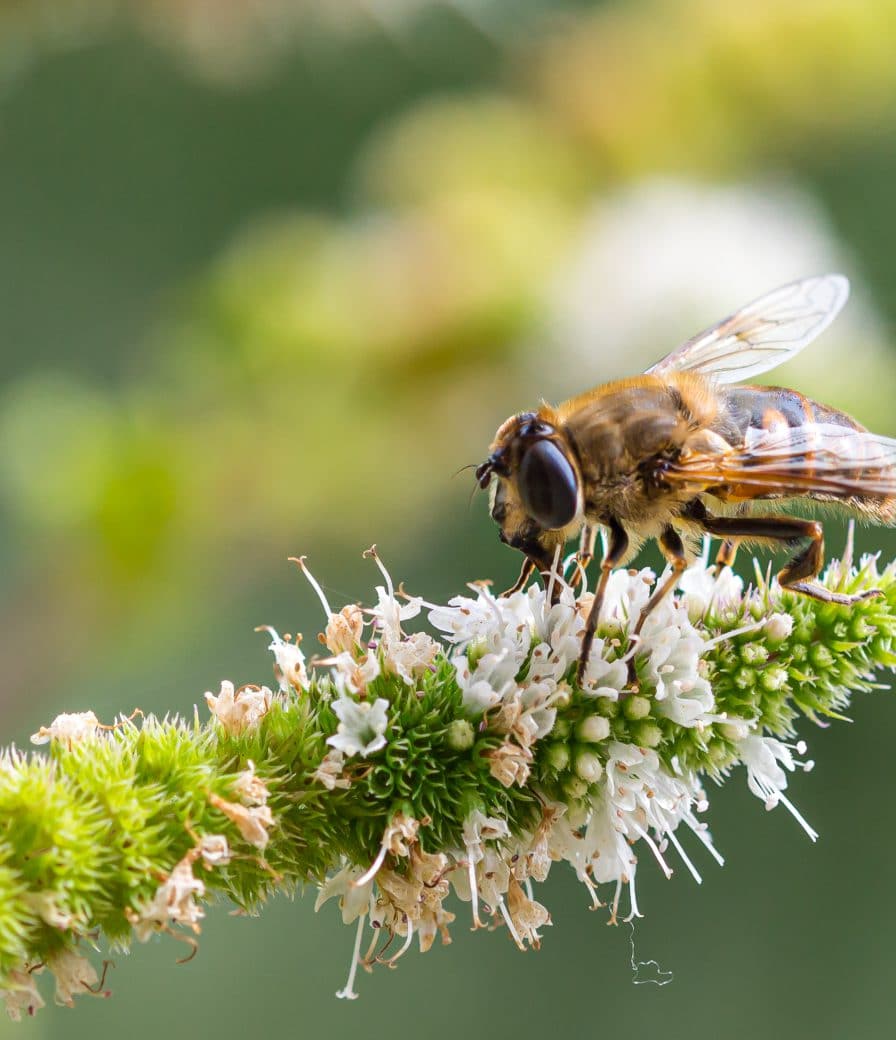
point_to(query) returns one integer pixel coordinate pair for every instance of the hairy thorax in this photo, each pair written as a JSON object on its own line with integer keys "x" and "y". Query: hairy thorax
{"x": 623, "y": 433}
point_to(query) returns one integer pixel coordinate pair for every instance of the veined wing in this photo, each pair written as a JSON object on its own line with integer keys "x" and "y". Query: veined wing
{"x": 817, "y": 458}
{"x": 762, "y": 335}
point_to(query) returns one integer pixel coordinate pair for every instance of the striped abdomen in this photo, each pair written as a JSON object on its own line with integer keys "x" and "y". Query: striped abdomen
{"x": 777, "y": 407}
{"x": 785, "y": 445}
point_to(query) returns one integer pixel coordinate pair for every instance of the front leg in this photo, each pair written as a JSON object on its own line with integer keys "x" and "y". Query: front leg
{"x": 539, "y": 558}
{"x": 585, "y": 555}
{"x": 526, "y": 572}
{"x": 616, "y": 550}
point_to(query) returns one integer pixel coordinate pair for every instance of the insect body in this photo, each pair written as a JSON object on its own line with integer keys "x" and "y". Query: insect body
{"x": 679, "y": 452}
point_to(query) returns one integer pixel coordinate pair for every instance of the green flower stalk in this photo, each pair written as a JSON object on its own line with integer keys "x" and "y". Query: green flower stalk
{"x": 399, "y": 770}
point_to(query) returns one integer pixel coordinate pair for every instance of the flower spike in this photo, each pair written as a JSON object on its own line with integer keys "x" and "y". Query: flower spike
{"x": 406, "y": 772}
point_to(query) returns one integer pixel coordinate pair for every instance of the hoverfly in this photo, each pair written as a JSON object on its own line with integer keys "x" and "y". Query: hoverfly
{"x": 679, "y": 452}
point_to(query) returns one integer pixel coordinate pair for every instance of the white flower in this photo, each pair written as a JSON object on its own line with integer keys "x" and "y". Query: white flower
{"x": 345, "y": 630}
{"x": 250, "y": 789}
{"x": 510, "y": 764}
{"x": 606, "y": 846}
{"x": 764, "y": 758}
{"x": 488, "y": 619}
{"x": 479, "y": 828}
{"x": 778, "y": 627}
{"x": 290, "y": 662}
{"x": 252, "y": 822}
{"x": 604, "y": 678}
{"x": 352, "y": 674}
{"x": 561, "y": 633}
{"x": 46, "y": 906}
{"x": 409, "y": 657}
{"x": 702, "y": 589}
{"x": 526, "y": 916}
{"x": 214, "y": 850}
{"x": 173, "y": 903}
{"x": 627, "y": 592}
{"x": 75, "y": 975}
{"x": 636, "y": 799}
{"x": 362, "y": 726}
{"x": 239, "y": 710}
{"x": 329, "y": 772}
{"x": 354, "y": 898}
{"x": 493, "y": 876}
{"x": 673, "y": 656}
{"x": 388, "y": 614}
{"x": 536, "y": 699}
{"x": 253, "y": 817}
{"x": 463, "y": 620}
{"x": 478, "y": 695}
{"x": 68, "y": 729}
{"x": 492, "y": 678}
{"x": 20, "y": 993}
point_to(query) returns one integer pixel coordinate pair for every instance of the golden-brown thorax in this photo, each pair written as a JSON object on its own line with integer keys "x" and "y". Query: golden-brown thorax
{"x": 619, "y": 430}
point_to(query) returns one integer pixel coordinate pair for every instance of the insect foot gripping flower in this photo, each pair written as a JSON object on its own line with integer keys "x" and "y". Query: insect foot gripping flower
{"x": 403, "y": 775}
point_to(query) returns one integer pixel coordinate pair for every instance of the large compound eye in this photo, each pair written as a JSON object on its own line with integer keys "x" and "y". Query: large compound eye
{"x": 547, "y": 485}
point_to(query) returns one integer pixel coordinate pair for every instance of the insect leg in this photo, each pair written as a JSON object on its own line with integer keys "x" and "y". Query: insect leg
{"x": 542, "y": 560}
{"x": 525, "y": 574}
{"x": 725, "y": 555}
{"x": 585, "y": 554}
{"x": 616, "y": 551}
{"x": 802, "y": 568}
{"x": 673, "y": 549}
{"x": 537, "y": 557}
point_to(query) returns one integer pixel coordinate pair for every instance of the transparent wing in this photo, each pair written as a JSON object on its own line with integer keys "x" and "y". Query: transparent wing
{"x": 762, "y": 335}
{"x": 818, "y": 458}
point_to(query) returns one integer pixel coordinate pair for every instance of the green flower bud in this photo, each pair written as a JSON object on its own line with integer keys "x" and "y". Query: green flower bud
{"x": 561, "y": 728}
{"x": 635, "y": 707}
{"x": 608, "y": 707}
{"x": 460, "y": 735}
{"x": 589, "y": 767}
{"x": 576, "y": 787}
{"x": 593, "y": 729}
{"x": 647, "y": 734}
{"x": 558, "y": 757}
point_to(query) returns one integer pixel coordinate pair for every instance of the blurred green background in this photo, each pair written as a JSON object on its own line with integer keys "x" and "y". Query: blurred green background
{"x": 271, "y": 272}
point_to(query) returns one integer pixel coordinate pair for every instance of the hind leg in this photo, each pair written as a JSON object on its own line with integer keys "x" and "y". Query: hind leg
{"x": 805, "y": 566}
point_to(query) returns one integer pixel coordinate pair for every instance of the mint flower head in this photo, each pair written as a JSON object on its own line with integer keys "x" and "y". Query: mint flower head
{"x": 417, "y": 780}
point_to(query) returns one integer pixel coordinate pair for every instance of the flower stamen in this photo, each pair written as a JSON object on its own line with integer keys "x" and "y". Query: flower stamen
{"x": 312, "y": 581}
{"x": 348, "y": 992}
